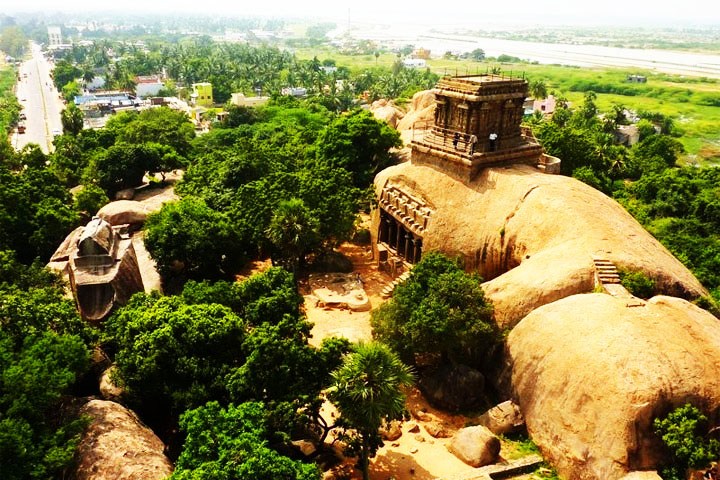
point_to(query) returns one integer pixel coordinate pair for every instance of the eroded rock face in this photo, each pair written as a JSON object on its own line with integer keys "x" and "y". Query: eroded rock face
{"x": 532, "y": 236}
{"x": 476, "y": 446}
{"x": 117, "y": 446}
{"x": 590, "y": 374}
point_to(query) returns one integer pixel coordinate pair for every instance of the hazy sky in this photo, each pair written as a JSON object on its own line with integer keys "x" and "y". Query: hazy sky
{"x": 477, "y": 12}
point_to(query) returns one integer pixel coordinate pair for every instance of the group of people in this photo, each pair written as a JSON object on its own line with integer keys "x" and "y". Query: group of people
{"x": 473, "y": 140}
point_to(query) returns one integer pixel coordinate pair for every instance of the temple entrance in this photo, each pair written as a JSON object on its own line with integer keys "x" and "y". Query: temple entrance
{"x": 398, "y": 240}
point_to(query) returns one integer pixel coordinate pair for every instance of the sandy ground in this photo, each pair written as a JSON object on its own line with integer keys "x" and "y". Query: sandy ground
{"x": 416, "y": 454}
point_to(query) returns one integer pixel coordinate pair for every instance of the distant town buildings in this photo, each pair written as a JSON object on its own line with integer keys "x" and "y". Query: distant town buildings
{"x": 241, "y": 100}
{"x": 414, "y": 63}
{"x": 54, "y": 36}
{"x": 202, "y": 94}
{"x": 148, "y": 86}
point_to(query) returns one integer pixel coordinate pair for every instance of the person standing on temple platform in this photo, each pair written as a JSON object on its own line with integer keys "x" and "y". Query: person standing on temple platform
{"x": 493, "y": 141}
{"x": 456, "y": 139}
{"x": 473, "y": 141}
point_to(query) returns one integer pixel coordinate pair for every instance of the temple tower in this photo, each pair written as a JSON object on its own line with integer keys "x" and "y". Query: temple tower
{"x": 477, "y": 125}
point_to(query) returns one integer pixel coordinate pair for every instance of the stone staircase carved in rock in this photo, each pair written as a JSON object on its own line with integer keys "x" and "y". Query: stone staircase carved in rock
{"x": 605, "y": 271}
{"x": 390, "y": 288}
{"x": 607, "y": 276}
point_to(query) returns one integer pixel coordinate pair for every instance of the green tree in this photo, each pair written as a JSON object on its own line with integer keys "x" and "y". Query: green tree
{"x": 359, "y": 143}
{"x": 70, "y": 90}
{"x": 189, "y": 238}
{"x": 36, "y": 441}
{"x": 171, "y": 353}
{"x": 538, "y": 89}
{"x": 13, "y": 41}
{"x": 683, "y": 432}
{"x": 90, "y": 199}
{"x": 64, "y": 73}
{"x": 160, "y": 125}
{"x": 232, "y": 443}
{"x": 294, "y": 232}
{"x": 43, "y": 351}
{"x": 367, "y": 390}
{"x": 72, "y": 119}
{"x": 440, "y": 312}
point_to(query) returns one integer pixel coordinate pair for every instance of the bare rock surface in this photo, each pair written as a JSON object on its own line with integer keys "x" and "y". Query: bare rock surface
{"x": 591, "y": 372}
{"x": 121, "y": 212}
{"x": 502, "y": 418}
{"x": 421, "y": 113}
{"x": 646, "y": 475}
{"x": 108, "y": 389}
{"x": 117, "y": 446}
{"x": 387, "y": 112}
{"x": 533, "y": 236}
{"x": 477, "y": 446}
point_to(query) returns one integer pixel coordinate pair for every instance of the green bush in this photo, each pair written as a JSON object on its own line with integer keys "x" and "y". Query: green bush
{"x": 683, "y": 432}
{"x": 638, "y": 283}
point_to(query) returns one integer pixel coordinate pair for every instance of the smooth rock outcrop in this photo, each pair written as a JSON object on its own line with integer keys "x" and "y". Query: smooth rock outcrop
{"x": 117, "y": 446}
{"x": 476, "y": 446}
{"x": 421, "y": 114}
{"x": 532, "y": 236}
{"x": 591, "y": 372}
{"x": 123, "y": 212}
{"x": 387, "y": 112}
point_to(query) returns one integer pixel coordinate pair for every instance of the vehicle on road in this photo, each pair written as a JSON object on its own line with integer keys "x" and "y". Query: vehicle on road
{"x": 23, "y": 116}
{"x": 21, "y": 128}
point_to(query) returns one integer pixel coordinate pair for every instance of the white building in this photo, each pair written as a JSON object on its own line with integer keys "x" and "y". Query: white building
{"x": 414, "y": 63}
{"x": 54, "y": 36}
{"x": 148, "y": 86}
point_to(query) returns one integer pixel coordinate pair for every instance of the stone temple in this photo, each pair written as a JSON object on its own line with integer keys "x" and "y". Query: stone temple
{"x": 476, "y": 126}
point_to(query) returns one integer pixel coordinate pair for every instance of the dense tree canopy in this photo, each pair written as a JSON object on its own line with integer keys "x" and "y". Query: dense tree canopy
{"x": 44, "y": 349}
{"x": 190, "y": 239}
{"x": 439, "y": 311}
{"x": 249, "y": 344}
{"x": 232, "y": 443}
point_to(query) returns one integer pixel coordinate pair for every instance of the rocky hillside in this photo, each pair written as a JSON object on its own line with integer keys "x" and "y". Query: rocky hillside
{"x": 533, "y": 236}
{"x": 590, "y": 371}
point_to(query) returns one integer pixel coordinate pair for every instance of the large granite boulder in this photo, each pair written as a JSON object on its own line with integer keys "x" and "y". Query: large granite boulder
{"x": 123, "y": 212}
{"x": 503, "y": 418}
{"x": 117, "y": 446}
{"x": 591, "y": 372}
{"x": 421, "y": 114}
{"x": 387, "y": 112}
{"x": 477, "y": 446}
{"x": 532, "y": 236}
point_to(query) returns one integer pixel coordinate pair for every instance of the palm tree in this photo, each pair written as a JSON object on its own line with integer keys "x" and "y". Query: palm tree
{"x": 367, "y": 390}
{"x": 538, "y": 89}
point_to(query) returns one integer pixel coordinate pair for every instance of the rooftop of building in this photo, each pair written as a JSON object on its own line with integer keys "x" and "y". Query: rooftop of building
{"x": 477, "y": 84}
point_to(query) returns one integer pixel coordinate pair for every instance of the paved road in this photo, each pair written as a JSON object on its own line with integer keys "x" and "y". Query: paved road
{"x": 40, "y": 102}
